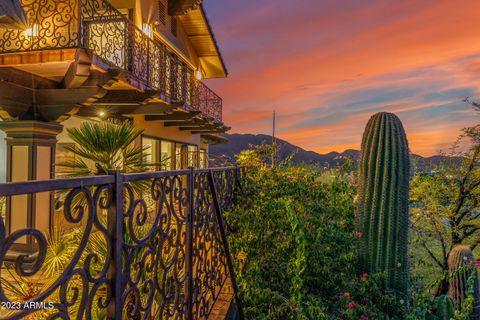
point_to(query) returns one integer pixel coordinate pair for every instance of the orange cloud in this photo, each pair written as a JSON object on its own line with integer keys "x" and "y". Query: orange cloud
{"x": 326, "y": 66}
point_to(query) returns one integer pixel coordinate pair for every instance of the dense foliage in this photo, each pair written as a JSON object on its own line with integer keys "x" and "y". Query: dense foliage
{"x": 294, "y": 231}
{"x": 294, "y": 227}
{"x": 294, "y": 234}
{"x": 445, "y": 209}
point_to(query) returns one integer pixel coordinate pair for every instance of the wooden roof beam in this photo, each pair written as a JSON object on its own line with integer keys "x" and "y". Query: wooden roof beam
{"x": 210, "y": 131}
{"x": 148, "y": 110}
{"x": 175, "y": 116}
{"x": 205, "y": 127}
{"x": 193, "y": 123}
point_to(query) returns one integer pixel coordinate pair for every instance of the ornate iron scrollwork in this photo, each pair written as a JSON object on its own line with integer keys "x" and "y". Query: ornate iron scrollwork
{"x": 104, "y": 31}
{"x": 82, "y": 284}
{"x": 155, "y": 251}
{"x": 54, "y": 24}
{"x": 172, "y": 260}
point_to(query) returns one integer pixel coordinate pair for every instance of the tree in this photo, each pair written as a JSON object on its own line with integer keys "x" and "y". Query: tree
{"x": 263, "y": 154}
{"x": 102, "y": 147}
{"x": 446, "y": 203}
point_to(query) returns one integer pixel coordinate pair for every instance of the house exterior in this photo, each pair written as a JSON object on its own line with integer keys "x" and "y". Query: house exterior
{"x": 89, "y": 60}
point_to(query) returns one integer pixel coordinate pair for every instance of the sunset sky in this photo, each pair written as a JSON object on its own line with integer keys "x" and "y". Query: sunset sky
{"x": 326, "y": 66}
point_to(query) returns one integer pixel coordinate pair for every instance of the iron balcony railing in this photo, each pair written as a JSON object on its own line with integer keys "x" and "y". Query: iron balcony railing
{"x": 138, "y": 246}
{"x": 99, "y": 27}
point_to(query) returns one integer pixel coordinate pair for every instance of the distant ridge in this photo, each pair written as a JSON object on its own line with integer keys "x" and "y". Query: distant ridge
{"x": 239, "y": 142}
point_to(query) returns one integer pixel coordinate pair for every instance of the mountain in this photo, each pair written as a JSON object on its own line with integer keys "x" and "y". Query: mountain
{"x": 239, "y": 142}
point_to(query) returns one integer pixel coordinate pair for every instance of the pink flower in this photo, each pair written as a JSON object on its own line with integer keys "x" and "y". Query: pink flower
{"x": 346, "y": 295}
{"x": 359, "y": 234}
{"x": 343, "y": 225}
{"x": 363, "y": 277}
{"x": 477, "y": 263}
{"x": 363, "y": 317}
{"x": 265, "y": 188}
{"x": 352, "y": 304}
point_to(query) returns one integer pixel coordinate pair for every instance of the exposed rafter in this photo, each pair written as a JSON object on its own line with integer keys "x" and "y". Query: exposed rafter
{"x": 193, "y": 123}
{"x": 206, "y": 127}
{"x": 175, "y": 116}
{"x": 223, "y": 130}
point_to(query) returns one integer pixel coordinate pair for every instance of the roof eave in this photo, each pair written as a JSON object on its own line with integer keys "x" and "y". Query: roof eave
{"x": 210, "y": 30}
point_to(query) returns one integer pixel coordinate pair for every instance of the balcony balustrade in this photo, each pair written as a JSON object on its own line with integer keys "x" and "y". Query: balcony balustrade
{"x": 104, "y": 31}
{"x": 140, "y": 246}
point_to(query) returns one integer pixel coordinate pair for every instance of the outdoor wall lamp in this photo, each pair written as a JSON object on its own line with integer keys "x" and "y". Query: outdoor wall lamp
{"x": 198, "y": 75}
{"x": 32, "y": 31}
{"x": 147, "y": 29}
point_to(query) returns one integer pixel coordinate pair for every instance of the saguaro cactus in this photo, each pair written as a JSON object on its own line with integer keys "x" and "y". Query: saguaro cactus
{"x": 382, "y": 210}
{"x": 461, "y": 267}
{"x": 444, "y": 308}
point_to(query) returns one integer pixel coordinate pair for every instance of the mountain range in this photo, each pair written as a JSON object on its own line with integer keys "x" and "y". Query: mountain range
{"x": 239, "y": 142}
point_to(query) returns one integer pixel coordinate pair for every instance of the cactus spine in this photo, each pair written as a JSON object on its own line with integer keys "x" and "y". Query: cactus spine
{"x": 382, "y": 208}
{"x": 461, "y": 267}
{"x": 444, "y": 308}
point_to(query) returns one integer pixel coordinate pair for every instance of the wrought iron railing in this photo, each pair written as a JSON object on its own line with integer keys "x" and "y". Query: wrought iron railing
{"x": 135, "y": 246}
{"x": 99, "y": 27}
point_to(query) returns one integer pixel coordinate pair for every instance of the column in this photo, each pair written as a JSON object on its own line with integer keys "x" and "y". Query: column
{"x": 30, "y": 156}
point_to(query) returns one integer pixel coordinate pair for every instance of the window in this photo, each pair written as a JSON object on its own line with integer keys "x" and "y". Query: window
{"x": 151, "y": 151}
{"x": 63, "y": 155}
{"x": 179, "y": 157}
{"x": 203, "y": 159}
{"x": 192, "y": 156}
{"x": 167, "y": 155}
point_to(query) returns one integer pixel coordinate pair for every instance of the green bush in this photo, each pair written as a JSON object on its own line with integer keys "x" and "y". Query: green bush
{"x": 294, "y": 239}
{"x": 297, "y": 235}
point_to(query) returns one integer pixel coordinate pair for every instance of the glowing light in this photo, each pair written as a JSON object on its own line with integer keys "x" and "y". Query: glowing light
{"x": 198, "y": 75}
{"x": 102, "y": 114}
{"x": 147, "y": 29}
{"x": 32, "y": 31}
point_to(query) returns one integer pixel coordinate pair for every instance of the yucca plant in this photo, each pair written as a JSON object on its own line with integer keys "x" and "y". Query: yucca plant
{"x": 101, "y": 147}
{"x": 104, "y": 146}
{"x": 21, "y": 289}
{"x": 60, "y": 249}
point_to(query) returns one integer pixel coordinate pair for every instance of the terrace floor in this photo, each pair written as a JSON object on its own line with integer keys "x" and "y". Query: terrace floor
{"x": 224, "y": 307}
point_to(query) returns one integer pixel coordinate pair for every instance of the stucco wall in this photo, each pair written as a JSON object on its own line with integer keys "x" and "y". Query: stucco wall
{"x": 157, "y": 129}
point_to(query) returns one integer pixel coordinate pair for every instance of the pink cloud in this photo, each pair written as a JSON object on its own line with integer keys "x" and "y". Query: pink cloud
{"x": 313, "y": 60}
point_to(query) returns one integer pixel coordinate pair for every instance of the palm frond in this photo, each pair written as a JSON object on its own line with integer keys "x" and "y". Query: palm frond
{"x": 75, "y": 168}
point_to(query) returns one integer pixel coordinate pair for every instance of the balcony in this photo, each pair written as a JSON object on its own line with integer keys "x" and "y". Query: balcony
{"x": 155, "y": 253}
{"x": 115, "y": 43}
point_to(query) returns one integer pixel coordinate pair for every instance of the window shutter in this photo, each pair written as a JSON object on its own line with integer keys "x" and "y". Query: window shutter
{"x": 174, "y": 26}
{"x": 162, "y": 12}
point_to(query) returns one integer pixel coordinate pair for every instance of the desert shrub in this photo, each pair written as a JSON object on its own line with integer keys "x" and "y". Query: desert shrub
{"x": 293, "y": 237}
{"x": 296, "y": 233}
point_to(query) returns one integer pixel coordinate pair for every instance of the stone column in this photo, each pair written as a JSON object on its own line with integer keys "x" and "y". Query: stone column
{"x": 30, "y": 156}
